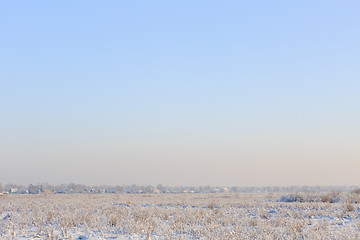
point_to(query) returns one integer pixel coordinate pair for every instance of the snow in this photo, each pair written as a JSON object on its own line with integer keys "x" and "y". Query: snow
{"x": 178, "y": 216}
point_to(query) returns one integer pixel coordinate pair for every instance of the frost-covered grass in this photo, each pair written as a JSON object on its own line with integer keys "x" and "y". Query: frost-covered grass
{"x": 181, "y": 216}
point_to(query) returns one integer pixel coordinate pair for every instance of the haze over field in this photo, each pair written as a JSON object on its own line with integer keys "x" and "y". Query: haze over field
{"x": 180, "y": 93}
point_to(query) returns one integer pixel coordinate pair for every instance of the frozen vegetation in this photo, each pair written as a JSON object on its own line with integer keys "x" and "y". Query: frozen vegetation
{"x": 331, "y": 215}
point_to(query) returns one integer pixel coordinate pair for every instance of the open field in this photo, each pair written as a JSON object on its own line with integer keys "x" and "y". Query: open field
{"x": 181, "y": 216}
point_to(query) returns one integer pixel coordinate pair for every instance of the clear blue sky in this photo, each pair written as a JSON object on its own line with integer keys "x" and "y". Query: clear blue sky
{"x": 180, "y": 92}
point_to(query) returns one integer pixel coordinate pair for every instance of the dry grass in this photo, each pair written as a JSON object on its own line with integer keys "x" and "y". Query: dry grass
{"x": 179, "y": 216}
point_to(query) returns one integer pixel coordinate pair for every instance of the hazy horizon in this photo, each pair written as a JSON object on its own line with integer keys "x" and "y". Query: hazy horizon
{"x": 180, "y": 93}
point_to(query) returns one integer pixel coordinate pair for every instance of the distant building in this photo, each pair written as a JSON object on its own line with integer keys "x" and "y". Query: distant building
{"x": 13, "y": 191}
{"x": 110, "y": 191}
{"x": 48, "y": 191}
{"x": 154, "y": 190}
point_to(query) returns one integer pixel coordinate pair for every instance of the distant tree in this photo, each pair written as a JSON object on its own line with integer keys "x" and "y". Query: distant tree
{"x": 119, "y": 189}
{"x": 134, "y": 188}
{"x": 160, "y": 187}
{"x": 33, "y": 189}
{"x": 147, "y": 188}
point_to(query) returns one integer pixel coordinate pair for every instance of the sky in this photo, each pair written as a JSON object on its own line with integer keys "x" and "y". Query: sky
{"x": 234, "y": 93}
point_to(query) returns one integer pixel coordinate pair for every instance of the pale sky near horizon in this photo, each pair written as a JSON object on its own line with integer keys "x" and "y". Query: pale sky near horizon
{"x": 240, "y": 93}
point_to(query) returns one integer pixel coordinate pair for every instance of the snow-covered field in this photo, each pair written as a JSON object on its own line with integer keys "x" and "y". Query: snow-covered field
{"x": 181, "y": 216}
